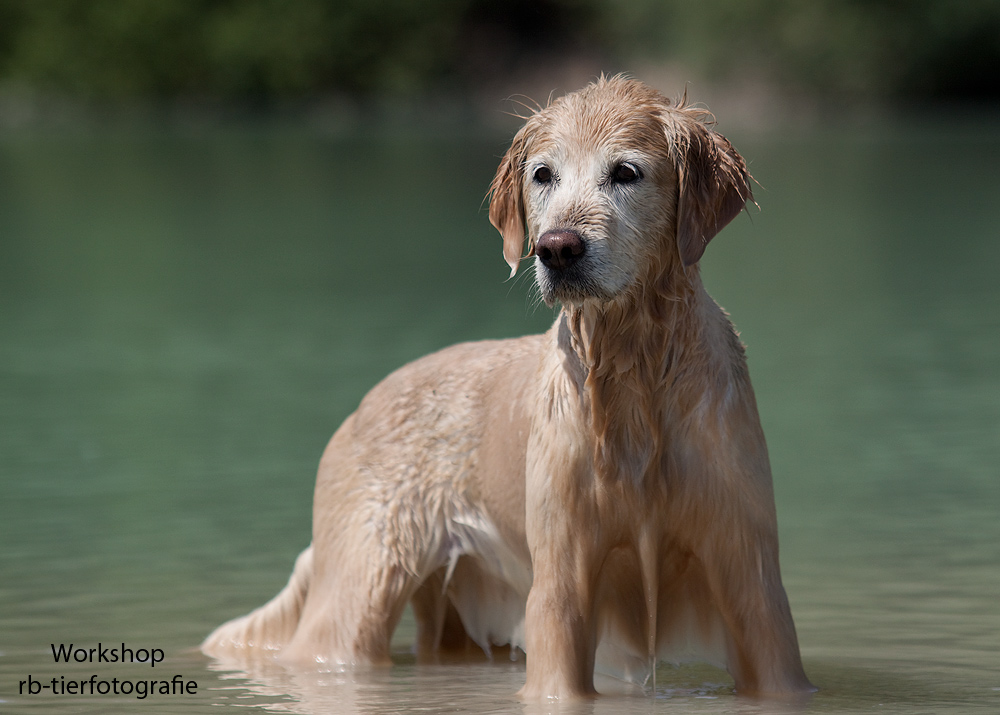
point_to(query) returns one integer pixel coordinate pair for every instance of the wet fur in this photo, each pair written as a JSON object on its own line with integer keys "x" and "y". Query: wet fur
{"x": 598, "y": 496}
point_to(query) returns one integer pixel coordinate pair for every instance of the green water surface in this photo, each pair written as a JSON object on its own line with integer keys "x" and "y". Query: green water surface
{"x": 187, "y": 312}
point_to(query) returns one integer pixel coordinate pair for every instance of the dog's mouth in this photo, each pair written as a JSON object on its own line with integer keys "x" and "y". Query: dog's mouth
{"x": 572, "y": 285}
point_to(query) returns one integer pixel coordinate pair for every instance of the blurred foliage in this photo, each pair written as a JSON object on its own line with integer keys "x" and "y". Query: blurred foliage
{"x": 897, "y": 48}
{"x": 272, "y": 49}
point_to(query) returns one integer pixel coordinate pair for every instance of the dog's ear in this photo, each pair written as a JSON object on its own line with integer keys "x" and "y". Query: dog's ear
{"x": 506, "y": 204}
{"x": 713, "y": 187}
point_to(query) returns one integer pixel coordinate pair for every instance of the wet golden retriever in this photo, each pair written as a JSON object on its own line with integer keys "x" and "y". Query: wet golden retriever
{"x": 598, "y": 496}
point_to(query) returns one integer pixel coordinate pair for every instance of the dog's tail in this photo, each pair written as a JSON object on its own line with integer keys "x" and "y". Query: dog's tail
{"x": 269, "y": 627}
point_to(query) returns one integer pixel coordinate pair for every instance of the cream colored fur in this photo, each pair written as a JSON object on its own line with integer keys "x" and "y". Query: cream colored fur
{"x": 598, "y": 496}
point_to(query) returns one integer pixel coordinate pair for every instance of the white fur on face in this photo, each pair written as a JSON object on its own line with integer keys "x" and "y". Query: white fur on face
{"x": 619, "y": 221}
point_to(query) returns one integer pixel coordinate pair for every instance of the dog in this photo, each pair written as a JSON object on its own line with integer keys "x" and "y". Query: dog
{"x": 598, "y": 496}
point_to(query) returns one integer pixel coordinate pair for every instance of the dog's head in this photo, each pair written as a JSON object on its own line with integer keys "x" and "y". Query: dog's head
{"x": 612, "y": 182}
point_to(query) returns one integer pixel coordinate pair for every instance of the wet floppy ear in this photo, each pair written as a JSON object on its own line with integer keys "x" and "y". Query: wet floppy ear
{"x": 713, "y": 187}
{"x": 506, "y": 205}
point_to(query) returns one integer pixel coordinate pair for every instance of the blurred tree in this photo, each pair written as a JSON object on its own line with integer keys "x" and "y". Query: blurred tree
{"x": 864, "y": 48}
{"x": 273, "y": 47}
{"x": 102, "y": 47}
{"x": 263, "y": 49}
{"x": 267, "y": 49}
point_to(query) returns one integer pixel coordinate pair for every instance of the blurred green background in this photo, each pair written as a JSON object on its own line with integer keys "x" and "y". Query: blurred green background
{"x": 263, "y": 51}
{"x": 223, "y": 221}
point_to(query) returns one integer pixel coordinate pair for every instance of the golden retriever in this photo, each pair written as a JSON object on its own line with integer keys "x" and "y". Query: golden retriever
{"x": 598, "y": 496}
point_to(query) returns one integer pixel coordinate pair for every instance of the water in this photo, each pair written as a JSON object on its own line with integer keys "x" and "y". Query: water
{"x": 188, "y": 311}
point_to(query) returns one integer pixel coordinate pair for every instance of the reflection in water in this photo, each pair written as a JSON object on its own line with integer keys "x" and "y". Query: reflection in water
{"x": 401, "y": 688}
{"x": 186, "y": 316}
{"x": 471, "y": 687}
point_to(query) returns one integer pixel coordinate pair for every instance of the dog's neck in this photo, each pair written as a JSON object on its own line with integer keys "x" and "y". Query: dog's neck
{"x": 638, "y": 336}
{"x": 635, "y": 354}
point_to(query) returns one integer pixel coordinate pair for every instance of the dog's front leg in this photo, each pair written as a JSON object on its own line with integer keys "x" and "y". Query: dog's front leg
{"x": 560, "y": 635}
{"x": 763, "y": 651}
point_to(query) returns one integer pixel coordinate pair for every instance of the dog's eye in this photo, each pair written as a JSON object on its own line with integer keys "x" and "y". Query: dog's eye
{"x": 625, "y": 174}
{"x": 543, "y": 175}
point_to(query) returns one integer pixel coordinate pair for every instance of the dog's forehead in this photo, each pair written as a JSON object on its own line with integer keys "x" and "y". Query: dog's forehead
{"x": 594, "y": 122}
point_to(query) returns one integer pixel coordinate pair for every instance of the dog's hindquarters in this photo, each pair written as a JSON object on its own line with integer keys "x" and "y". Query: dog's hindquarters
{"x": 419, "y": 497}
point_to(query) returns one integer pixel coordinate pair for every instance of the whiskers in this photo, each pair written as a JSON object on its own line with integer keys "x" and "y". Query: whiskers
{"x": 533, "y": 299}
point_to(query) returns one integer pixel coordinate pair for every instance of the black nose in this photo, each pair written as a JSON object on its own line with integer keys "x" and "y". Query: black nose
{"x": 560, "y": 249}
